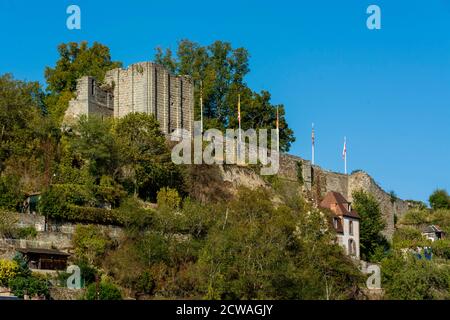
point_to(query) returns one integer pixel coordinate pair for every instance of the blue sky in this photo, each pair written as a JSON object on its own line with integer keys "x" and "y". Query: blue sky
{"x": 386, "y": 90}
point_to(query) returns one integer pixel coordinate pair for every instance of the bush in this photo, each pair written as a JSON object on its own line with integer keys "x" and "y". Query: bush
{"x": 415, "y": 217}
{"x": 26, "y": 233}
{"x": 32, "y": 286}
{"x": 8, "y": 270}
{"x": 106, "y": 291}
{"x": 441, "y": 248}
{"x": 7, "y": 224}
{"x": 55, "y": 201}
{"x": 90, "y": 215}
{"x": 168, "y": 198}
{"x": 439, "y": 200}
{"x": 408, "y": 278}
{"x": 10, "y": 194}
{"x": 90, "y": 243}
{"x": 408, "y": 237}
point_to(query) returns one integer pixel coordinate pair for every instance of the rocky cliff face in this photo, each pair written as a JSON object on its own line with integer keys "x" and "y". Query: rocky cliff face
{"x": 317, "y": 182}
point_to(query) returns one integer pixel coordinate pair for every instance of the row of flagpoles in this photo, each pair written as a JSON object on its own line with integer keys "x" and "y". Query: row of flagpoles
{"x": 313, "y": 142}
{"x": 344, "y": 151}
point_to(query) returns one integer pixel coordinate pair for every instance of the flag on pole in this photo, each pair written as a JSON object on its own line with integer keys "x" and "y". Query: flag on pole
{"x": 278, "y": 123}
{"x": 239, "y": 120}
{"x": 344, "y": 155}
{"x": 201, "y": 106}
{"x": 344, "y": 151}
{"x": 312, "y": 135}
{"x": 239, "y": 110}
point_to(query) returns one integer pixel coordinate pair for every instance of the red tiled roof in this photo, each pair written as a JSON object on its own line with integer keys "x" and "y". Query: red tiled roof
{"x": 332, "y": 198}
{"x": 338, "y": 204}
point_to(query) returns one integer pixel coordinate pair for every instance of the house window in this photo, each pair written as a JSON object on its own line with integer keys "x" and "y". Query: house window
{"x": 350, "y": 228}
{"x": 335, "y": 220}
{"x": 351, "y": 247}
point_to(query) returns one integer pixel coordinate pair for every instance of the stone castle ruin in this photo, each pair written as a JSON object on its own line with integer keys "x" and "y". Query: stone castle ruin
{"x": 150, "y": 88}
{"x": 142, "y": 87}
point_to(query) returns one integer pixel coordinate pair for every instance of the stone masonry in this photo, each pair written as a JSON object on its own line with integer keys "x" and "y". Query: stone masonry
{"x": 143, "y": 87}
{"x": 319, "y": 182}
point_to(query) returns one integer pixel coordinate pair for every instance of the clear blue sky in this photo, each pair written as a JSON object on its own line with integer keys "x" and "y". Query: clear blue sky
{"x": 388, "y": 91}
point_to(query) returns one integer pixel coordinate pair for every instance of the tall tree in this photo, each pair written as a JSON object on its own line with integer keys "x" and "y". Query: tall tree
{"x": 220, "y": 70}
{"x": 439, "y": 199}
{"x": 371, "y": 223}
{"x": 145, "y": 161}
{"x": 75, "y": 60}
{"x": 94, "y": 142}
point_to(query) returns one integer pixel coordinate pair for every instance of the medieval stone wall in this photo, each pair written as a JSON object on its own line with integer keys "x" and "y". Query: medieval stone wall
{"x": 319, "y": 181}
{"x": 143, "y": 87}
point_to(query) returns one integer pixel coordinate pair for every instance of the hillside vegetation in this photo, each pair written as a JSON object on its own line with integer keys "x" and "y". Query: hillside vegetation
{"x": 187, "y": 234}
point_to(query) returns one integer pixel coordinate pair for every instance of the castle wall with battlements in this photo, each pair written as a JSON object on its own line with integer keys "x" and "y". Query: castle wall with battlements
{"x": 318, "y": 182}
{"x": 142, "y": 87}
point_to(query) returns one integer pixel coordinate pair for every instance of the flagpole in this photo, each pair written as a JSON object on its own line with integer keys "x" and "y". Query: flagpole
{"x": 345, "y": 155}
{"x": 312, "y": 145}
{"x": 201, "y": 106}
{"x": 239, "y": 116}
{"x": 278, "y": 130}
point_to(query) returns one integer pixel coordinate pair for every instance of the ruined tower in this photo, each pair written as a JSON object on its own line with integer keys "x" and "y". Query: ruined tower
{"x": 142, "y": 87}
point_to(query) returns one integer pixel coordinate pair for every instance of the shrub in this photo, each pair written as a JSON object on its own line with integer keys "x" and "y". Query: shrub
{"x": 441, "y": 248}
{"x": 408, "y": 278}
{"x": 7, "y": 224}
{"x": 439, "y": 200}
{"x": 32, "y": 286}
{"x": 415, "y": 217}
{"x": 8, "y": 270}
{"x": 27, "y": 233}
{"x": 10, "y": 194}
{"x": 408, "y": 237}
{"x": 168, "y": 198}
{"x": 90, "y": 215}
{"x": 106, "y": 291}
{"x": 90, "y": 243}
{"x": 55, "y": 201}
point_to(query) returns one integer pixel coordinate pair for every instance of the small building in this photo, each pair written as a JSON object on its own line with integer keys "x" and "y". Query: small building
{"x": 433, "y": 232}
{"x": 44, "y": 259}
{"x": 345, "y": 221}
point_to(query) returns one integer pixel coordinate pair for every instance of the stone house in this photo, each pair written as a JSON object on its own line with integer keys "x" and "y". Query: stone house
{"x": 433, "y": 233}
{"x": 345, "y": 221}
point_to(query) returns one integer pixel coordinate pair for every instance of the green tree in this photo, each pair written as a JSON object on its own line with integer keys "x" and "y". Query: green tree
{"x": 90, "y": 243}
{"x": 371, "y": 224}
{"x": 218, "y": 71}
{"x": 439, "y": 199}
{"x": 104, "y": 291}
{"x": 75, "y": 61}
{"x": 257, "y": 251}
{"x": 145, "y": 161}
{"x": 408, "y": 278}
{"x": 93, "y": 140}
{"x": 20, "y": 113}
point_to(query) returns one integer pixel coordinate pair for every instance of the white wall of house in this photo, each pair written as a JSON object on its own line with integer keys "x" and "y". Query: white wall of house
{"x": 347, "y": 236}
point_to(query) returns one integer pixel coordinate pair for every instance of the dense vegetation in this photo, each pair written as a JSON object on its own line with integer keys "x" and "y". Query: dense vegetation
{"x": 405, "y": 271}
{"x": 219, "y": 71}
{"x": 201, "y": 239}
{"x": 247, "y": 248}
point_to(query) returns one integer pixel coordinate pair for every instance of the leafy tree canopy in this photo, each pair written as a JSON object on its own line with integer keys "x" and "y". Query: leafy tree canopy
{"x": 371, "y": 223}
{"x": 439, "y": 199}
{"x": 219, "y": 71}
{"x": 75, "y": 61}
